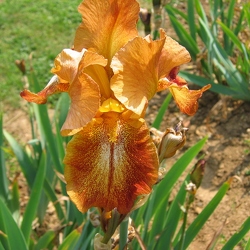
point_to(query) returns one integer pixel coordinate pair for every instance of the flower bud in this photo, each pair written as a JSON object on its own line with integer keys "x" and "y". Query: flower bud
{"x": 21, "y": 66}
{"x": 170, "y": 141}
{"x": 198, "y": 173}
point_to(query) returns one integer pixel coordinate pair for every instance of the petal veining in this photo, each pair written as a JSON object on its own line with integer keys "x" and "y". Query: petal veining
{"x": 106, "y": 25}
{"x": 66, "y": 64}
{"x": 135, "y": 67}
{"x": 85, "y": 101}
{"x": 110, "y": 163}
{"x": 187, "y": 99}
{"x": 172, "y": 55}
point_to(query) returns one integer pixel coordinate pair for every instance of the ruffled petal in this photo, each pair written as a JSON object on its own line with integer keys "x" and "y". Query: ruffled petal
{"x": 135, "y": 67}
{"x": 106, "y": 25}
{"x": 66, "y": 68}
{"x": 66, "y": 64}
{"x": 172, "y": 55}
{"x": 85, "y": 101}
{"x": 187, "y": 99}
{"x": 109, "y": 163}
{"x": 54, "y": 86}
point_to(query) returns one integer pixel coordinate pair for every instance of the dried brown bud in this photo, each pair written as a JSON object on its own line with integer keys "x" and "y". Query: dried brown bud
{"x": 21, "y": 65}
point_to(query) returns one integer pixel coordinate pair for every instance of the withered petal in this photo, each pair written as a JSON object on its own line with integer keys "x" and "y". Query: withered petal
{"x": 187, "y": 99}
{"x": 109, "y": 163}
{"x": 53, "y": 87}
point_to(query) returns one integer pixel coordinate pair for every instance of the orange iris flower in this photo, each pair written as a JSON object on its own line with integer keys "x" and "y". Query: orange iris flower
{"x": 110, "y": 76}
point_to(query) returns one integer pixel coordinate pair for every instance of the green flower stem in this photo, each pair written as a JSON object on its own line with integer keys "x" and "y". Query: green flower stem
{"x": 183, "y": 234}
{"x": 123, "y": 234}
{"x": 112, "y": 225}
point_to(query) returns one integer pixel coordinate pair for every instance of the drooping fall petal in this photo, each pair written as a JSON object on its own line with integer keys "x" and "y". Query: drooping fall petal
{"x": 85, "y": 101}
{"x": 109, "y": 163}
{"x": 66, "y": 65}
{"x": 186, "y": 99}
{"x": 106, "y": 25}
{"x": 54, "y": 86}
{"x": 135, "y": 67}
{"x": 85, "y": 91}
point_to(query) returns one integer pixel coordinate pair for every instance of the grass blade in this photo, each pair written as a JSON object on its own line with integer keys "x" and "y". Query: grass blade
{"x": 231, "y": 35}
{"x": 32, "y": 205}
{"x": 230, "y": 13}
{"x": 4, "y": 190}
{"x": 202, "y": 81}
{"x": 52, "y": 196}
{"x": 24, "y": 160}
{"x": 15, "y": 238}
{"x": 172, "y": 219}
{"x": 191, "y": 19}
{"x": 70, "y": 241}
{"x": 237, "y": 237}
{"x": 184, "y": 37}
{"x": 14, "y": 203}
{"x": 45, "y": 240}
{"x": 157, "y": 122}
{"x": 247, "y": 247}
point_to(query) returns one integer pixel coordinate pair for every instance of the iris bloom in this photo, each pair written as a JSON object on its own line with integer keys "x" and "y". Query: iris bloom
{"x": 110, "y": 75}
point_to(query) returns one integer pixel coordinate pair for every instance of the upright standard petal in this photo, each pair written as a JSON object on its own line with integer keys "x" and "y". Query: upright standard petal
{"x": 106, "y": 25}
{"x": 109, "y": 163}
{"x": 93, "y": 65}
{"x": 173, "y": 55}
{"x": 135, "y": 67}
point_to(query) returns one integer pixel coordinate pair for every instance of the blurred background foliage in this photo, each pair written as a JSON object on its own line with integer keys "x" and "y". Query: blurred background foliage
{"x": 37, "y": 29}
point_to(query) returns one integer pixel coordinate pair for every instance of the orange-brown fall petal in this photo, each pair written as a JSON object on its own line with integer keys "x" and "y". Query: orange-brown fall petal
{"x": 109, "y": 163}
{"x": 135, "y": 67}
{"x": 53, "y": 87}
{"x": 106, "y": 25}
